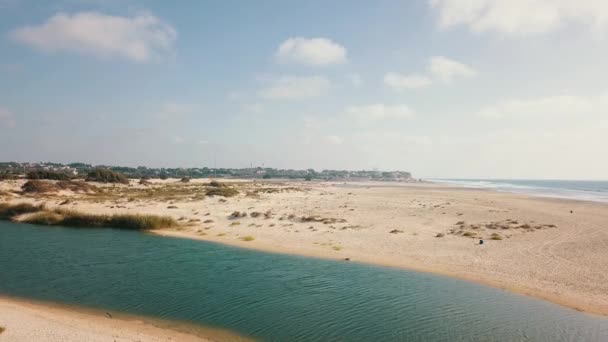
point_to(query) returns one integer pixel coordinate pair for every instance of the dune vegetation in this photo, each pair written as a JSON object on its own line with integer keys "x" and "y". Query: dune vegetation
{"x": 8, "y": 211}
{"x": 45, "y": 174}
{"x": 36, "y": 186}
{"x": 106, "y": 176}
{"x": 38, "y": 214}
{"x": 221, "y": 191}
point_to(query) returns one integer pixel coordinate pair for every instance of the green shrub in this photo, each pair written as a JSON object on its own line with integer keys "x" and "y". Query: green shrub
{"x": 106, "y": 176}
{"x": 44, "y": 174}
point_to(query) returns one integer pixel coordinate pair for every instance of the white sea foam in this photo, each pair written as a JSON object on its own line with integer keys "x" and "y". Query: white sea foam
{"x": 596, "y": 191}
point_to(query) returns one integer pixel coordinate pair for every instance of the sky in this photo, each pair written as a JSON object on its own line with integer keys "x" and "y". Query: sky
{"x": 440, "y": 88}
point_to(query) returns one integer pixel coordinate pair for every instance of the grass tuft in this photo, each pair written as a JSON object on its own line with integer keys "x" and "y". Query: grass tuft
{"x": 71, "y": 218}
{"x": 39, "y": 186}
{"x": 496, "y": 237}
{"x": 440, "y": 235}
{"x": 8, "y": 211}
{"x": 221, "y": 191}
{"x": 248, "y": 238}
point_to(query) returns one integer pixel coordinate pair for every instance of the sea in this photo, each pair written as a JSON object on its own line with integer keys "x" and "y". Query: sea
{"x": 584, "y": 190}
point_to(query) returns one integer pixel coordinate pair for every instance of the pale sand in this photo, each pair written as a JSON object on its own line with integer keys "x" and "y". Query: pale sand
{"x": 565, "y": 264}
{"x": 28, "y": 321}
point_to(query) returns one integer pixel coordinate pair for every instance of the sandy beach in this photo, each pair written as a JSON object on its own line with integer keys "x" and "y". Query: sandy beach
{"x": 26, "y": 321}
{"x": 552, "y": 249}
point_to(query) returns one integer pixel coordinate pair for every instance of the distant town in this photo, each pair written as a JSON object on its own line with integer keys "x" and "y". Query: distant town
{"x": 80, "y": 170}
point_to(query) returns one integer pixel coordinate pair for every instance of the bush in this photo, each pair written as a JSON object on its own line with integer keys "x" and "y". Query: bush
{"x": 106, "y": 176}
{"x": 185, "y": 179}
{"x": 8, "y": 210}
{"x": 39, "y": 186}
{"x": 43, "y": 174}
{"x": 163, "y": 176}
{"x": 248, "y": 238}
{"x": 7, "y": 176}
{"x": 225, "y": 192}
{"x": 496, "y": 237}
{"x": 216, "y": 184}
{"x": 440, "y": 235}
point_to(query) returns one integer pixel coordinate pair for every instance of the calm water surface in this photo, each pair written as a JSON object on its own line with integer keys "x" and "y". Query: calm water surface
{"x": 268, "y": 296}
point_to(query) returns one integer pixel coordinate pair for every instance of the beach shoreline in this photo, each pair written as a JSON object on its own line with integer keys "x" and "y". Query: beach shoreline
{"x": 27, "y": 320}
{"x": 413, "y": 226}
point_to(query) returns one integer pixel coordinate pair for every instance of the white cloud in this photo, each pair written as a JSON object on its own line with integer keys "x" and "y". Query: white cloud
{"x": 521, "y": 17}
{"x": 551, "y": 107}
{"x": 295, "y": 88}
{"x": 439, "y": 68}
{"x": 376, "y": 112}
{"x": 334, "y": 140}
{"x": 7, "y": 118}
{"x": 447, "y": 70}
{"x": 140, "y": 38}
{"x": 356, "y": 80}
{"x": 311, "y": 51}
{"x": 400, "y": 82}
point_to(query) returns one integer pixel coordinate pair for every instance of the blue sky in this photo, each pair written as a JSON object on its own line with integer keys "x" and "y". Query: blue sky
{"x": 442, "y": 88}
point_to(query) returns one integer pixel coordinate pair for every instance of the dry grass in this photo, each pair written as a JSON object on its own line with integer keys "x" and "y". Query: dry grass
{"x": 9, "y": 211}
{"x": 221, "y": 191}
{"x": 248, "y": 238}
{"x": 440, "y": 235}
{"x": 324, "y": 220}
{"x": 496, "y": 236}
{"x": 71, "y": 218}
{"x": 2, "y": 329}
{"x": 40, "y": 186}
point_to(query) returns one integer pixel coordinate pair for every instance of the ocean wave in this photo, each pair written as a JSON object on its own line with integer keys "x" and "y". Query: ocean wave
{"x": 595, "y": 191}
